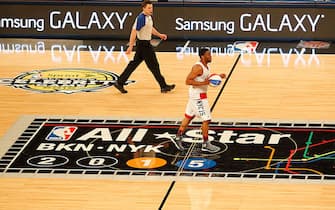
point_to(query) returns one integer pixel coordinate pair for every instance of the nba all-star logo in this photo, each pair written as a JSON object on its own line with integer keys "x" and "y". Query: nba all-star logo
{"x": 63, "y": 80}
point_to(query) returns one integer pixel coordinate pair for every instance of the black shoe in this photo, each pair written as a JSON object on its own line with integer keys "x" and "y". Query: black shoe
{"x": 167, "y": 88}
{"x": 120, "y": 88}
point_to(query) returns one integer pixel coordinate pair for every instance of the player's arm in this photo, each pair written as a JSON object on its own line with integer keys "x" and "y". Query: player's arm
{"x": 196, "y": 71}
{"x": 156, "y": 33}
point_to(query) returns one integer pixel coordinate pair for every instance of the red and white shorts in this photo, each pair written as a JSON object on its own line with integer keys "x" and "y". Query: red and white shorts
{"x": 198, "y": 108}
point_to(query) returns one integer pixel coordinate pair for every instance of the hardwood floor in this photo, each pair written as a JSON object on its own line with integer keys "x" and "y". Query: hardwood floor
{"x": 262, "y": 87}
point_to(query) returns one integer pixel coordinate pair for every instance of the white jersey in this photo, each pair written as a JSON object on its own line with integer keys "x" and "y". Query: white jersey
{"x": 198, "y": 92}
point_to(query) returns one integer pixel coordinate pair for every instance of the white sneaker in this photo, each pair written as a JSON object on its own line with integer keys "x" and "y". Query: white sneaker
{"x": 208, "y": 147}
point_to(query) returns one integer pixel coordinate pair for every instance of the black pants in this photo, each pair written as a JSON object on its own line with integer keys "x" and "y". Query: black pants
{"x": 144, "y": 51}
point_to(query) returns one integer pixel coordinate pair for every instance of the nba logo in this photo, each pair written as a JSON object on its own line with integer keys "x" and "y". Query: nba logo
{"x": 245, "y": 46}
{"x": 313, "y": 44}
{"x": 61, "y": 133}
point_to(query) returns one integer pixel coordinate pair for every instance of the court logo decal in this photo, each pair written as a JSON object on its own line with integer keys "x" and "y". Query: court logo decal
{"x": 145, "y": 147}
{"x": 61, "y": 133}
{"x": 64, "y": 80}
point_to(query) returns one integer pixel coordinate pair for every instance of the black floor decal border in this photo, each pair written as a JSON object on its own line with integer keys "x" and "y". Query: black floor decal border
{"x": 37, "y": 124}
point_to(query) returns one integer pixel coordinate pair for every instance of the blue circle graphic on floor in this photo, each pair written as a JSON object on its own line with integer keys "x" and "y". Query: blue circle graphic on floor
{"x": 196, "y": 163}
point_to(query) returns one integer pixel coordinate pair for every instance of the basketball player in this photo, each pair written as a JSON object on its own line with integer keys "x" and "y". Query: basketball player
{"x": 197, "y": 105}
{"x": 143, "y": 29}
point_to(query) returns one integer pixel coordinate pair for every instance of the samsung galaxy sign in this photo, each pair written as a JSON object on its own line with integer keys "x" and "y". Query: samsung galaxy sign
{"x": 115, "y": 21}
{"x": 76, "y": 20}
{"x": 254, "y": 22}
{"x": 99, "y": 20}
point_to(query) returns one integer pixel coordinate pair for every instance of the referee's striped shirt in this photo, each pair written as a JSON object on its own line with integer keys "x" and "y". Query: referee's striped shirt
{"x": 143, "y": 25}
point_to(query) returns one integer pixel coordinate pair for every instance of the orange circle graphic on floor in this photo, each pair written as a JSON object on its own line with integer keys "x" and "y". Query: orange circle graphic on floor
{"x": 146, "y": 162}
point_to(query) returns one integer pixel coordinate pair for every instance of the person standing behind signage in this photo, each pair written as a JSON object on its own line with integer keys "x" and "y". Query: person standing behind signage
{"x": 143, "y": 30}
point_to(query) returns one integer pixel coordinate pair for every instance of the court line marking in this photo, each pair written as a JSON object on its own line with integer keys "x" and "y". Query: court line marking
{"x": 192, "y": 146}
{"x": 225, "y": 82}
{"x": 185, "y": 45}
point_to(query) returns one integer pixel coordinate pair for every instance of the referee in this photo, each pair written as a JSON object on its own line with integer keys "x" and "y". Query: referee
{"x": 143, "y": 29}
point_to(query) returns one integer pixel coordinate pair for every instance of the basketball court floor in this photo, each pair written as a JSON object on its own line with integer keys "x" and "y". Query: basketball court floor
{"x": 70, "y": 140}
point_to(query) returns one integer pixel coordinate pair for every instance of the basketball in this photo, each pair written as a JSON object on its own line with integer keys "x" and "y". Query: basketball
{"x": 214, "y": 80}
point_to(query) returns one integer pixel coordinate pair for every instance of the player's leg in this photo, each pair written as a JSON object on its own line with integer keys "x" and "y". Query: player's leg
{"x": 204, "y": 130}
{"x": 206, "y": 145}
{"x": 179, "y": 136}
{"x": 185, "y": 122}
{"x": 189, "y": 115}
{"x": 205, "y": 114}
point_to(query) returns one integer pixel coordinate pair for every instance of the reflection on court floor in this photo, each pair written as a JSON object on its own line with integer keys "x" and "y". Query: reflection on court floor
{"x": 70, "y": 51}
